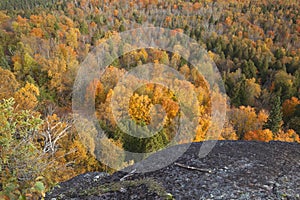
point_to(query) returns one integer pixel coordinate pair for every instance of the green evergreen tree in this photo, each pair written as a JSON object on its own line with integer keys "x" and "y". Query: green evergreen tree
{"x": 143, "y": 145}
{"x": 294, "y": 123}
{"x": 275, "y": 117}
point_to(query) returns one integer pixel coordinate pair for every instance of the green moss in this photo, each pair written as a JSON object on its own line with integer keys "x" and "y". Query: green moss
{"x": 151, "y": 184}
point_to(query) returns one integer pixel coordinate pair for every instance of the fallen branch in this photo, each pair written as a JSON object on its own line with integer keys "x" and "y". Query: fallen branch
{"x": 128, "y": 175}
{"x": 192, "y": 168}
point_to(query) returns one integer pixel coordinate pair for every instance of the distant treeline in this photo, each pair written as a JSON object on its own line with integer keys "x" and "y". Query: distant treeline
{"x": 26, "y": 4}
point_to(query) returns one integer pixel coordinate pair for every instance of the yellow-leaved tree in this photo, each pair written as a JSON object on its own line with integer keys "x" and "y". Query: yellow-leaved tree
{"x": 26, "y": 97}
{"x": 288, "y": 136}
{"x": 245, "y": 119}
{"x": 8, "y": 84}
{"x": 139, "y": 109}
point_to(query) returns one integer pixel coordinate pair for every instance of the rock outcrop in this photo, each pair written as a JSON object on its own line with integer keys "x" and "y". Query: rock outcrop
{"x": 232, "y": 170}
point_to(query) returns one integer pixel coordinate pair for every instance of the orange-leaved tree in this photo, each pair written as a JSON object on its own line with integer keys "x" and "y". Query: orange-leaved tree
{"x": 259, "y": 135}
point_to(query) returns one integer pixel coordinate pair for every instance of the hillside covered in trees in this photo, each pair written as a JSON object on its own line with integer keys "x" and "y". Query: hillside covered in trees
{"x": 255, "y": 45}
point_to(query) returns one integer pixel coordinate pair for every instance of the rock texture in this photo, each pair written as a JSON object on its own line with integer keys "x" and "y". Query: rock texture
{"x": 232, "y": 170}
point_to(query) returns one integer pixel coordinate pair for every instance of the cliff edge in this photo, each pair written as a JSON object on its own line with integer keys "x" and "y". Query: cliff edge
{"x": 232, "y": 170}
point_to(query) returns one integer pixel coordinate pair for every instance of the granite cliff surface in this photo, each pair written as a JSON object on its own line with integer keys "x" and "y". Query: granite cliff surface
{"x": 232, "y": 170}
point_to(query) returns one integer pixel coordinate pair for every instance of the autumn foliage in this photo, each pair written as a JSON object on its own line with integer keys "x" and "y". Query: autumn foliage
{"x": 254, "y": 44}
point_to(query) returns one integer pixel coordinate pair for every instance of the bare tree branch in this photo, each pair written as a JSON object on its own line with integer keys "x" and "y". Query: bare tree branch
{"x": 193, "y": 168}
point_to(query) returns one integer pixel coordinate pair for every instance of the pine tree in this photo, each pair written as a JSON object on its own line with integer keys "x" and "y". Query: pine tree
{"x": 275, "y": 118}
